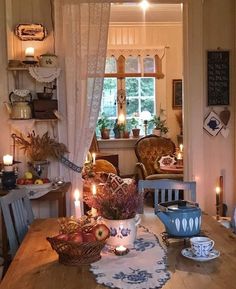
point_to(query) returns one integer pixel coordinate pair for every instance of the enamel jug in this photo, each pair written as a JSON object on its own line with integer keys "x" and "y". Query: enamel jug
{"x": 19, "y": 105}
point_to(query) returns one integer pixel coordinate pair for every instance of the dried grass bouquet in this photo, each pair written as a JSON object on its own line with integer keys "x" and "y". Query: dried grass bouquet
{"x": 38, "y": 148}
{"x": 115, "y": 199}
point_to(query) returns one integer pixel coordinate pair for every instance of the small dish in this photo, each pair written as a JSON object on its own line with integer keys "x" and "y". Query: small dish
{"x": 36, "y": 186}
{"x": 187, "y": 252}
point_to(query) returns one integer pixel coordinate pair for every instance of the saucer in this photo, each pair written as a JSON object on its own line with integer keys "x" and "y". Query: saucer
{"x": 187, "y": 252}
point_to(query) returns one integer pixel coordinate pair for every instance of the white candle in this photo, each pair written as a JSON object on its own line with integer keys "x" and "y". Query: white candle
{"x": 217, "y": 196}
{"x": 86, "y": 160}
{"x": 179, "y": 156}
{"x": 121, "y": 118}
{"x": 29, "y": 52}
{"x": 94, "y": 158}
{"x": 94, "y": 192}
{"x": 7, "y": 160}
{"x": 181, "y": 147}
{"x": 77, "y": 204}
{"x": 121, "y": 250}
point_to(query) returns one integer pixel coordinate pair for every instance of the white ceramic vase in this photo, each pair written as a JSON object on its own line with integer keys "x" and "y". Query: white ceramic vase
{"x": 122, "y": 232}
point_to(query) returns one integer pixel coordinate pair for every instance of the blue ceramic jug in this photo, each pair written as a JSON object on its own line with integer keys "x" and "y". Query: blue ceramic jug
{"x": 181, "y": 218}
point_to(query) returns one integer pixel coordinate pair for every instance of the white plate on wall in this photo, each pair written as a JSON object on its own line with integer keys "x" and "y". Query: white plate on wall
{"x": 187, "y": 252}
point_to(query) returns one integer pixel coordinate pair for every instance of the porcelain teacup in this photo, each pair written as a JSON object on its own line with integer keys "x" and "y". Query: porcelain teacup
{"x": 201, "y": 246}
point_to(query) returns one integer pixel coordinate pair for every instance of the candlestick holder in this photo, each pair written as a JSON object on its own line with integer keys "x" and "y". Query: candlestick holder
{"x": 9, "y": 180}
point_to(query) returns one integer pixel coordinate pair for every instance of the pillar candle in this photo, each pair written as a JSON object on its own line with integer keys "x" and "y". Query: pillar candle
{"x": 94, "y": 192}
{"x": 77, "y": 204}
{"x": 181, "y": 147}
{"x": 94, "y": 158}
{"x": 29, "y": 52}
{"x": 217, "y": 196}
{"x": 7, "y": 160}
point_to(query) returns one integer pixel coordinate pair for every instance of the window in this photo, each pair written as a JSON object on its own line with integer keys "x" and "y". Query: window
{"x": 129, "y": 87}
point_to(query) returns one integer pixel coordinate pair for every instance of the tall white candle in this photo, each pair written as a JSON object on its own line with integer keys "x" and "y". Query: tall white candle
{"x": 7, "y": 160}
{"x": 94, "y": 192}
{"x": 181, "y": 147}
{"x": 94, "y": 158}
{"x": 29, "y": 52}
{"x": 179, "y": 156}
{"x": 77, "y": 204}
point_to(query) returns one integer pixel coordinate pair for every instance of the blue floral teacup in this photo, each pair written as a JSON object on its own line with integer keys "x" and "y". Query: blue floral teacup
{"x": 201, "y": 246}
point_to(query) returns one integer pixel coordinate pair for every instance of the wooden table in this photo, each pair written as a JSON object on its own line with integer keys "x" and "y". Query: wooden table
{"x": 172, "y": 169}
{"x": 35, "y": 265}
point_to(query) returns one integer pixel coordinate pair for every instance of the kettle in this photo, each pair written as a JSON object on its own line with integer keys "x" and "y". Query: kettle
{"x": 19, "y": 106}
{"x": 48, "y": 60}
{"x": 181, "y": 218}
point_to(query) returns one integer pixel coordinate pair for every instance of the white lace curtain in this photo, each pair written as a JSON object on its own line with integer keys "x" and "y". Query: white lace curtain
{"x": 81, "y": 31}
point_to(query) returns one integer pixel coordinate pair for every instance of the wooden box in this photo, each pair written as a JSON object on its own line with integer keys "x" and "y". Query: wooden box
{"x": 44, "y": 108}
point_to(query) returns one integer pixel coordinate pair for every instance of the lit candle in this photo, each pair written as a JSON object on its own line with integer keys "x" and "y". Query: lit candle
{"x": 7, "y": 160}
{"x": 77, "y": 204}
{"x": 181, "y": 147}
{"x": 179, "y": 156}
{"x": 217, "y": 197}
{"x": 121, "y": 250}
{"x": 29, "y": 52}
{"x": 86, "y": 160}
{"x": 94, "y": 192}
{"x": 94, "y": 158}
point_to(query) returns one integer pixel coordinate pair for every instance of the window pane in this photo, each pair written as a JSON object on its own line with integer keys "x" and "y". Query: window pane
{"x": 108, "y": 104}
{"x": 147, "y": 86}
{"x": 148, "y": 64}
{"x": 110, "y": 65}
{"x": 132, "y": 64}
{"x": 132, "y": 107}
{"x": 132, "y": 86}
{"x": 147, "y": 104}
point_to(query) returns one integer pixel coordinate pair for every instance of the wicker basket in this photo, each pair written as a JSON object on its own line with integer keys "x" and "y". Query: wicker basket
{"x": 75, "y": 254}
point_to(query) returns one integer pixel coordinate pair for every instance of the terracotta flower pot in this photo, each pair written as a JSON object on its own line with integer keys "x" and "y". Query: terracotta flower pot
{"x": 105, "y": 133}
{"x": 136, "y": 132}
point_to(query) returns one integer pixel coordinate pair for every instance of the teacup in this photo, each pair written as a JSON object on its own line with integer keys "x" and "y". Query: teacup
{"x": 201, "y": 246}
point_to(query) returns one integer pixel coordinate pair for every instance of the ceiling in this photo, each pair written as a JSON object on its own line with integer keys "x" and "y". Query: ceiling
{"x": 131, "y": 12}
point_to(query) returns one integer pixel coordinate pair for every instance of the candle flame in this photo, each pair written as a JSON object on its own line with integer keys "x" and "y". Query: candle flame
{"x": 181, "y": 147}
{"x": 77, "y": 195}
{"x": 94, "y": 189}
{"x": 218, "y": 190}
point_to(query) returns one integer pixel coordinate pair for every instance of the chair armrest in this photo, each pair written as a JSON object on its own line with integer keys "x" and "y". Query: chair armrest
{"x": 141, "y": 170}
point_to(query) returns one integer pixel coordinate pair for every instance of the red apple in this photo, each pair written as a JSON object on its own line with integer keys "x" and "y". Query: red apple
{"x": 46, "y": 180}
{"x": 20, "y": 181}
{"x": 88, "y": 237}
{"x": 63, "y": 237}
{"x": 76, "y": 237}
{"x": 101, "y": 232}
{"x": 29, "y": 181}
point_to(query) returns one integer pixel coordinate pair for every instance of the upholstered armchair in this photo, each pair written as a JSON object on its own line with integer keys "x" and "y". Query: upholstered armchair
{"x": 149, "y": 150}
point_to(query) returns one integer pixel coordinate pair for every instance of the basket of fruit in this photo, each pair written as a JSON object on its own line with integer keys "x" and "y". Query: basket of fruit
{"x": 79, "y": 243}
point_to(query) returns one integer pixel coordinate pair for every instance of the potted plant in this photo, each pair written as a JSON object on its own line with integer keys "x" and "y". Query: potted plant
{"x": 160, "y": 127}
{"x": 134, "y": 124}
{"x": 103, "y": 124}
{"x": 39, "y": 149}
{"x": 117, "y": 202}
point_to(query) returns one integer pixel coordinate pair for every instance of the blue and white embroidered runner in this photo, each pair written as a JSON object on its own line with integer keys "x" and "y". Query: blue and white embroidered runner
{"x": 144, "y": 267}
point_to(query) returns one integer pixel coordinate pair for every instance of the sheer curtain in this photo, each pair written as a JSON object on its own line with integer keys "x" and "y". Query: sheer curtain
{"x": 81, "y": 31}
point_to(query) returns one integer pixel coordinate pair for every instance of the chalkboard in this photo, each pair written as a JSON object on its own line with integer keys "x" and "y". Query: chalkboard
{"x": 218, "y": 77}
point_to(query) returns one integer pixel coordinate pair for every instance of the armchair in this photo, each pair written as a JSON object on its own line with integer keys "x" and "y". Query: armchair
{"x": 149, "y": 150}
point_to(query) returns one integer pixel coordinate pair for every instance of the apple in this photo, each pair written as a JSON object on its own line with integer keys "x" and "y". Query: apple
{"x": 63, "y": 237}
{"x": 38, "y": 182}
{"x": 29, "y": 181}
{"x": 46, "y": 180}
{"x": 20, "y": 181}
{"x": 76, "y": 237}
{"x": 28, "y": 175}
{"x": 88, "y": 237}
{"x": 101, "y": 232}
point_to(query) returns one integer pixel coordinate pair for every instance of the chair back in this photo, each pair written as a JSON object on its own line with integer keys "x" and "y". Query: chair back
{"x": 18, "y": 215}
{"x": 150, "y": 148}
{"x": 169, "y": 190}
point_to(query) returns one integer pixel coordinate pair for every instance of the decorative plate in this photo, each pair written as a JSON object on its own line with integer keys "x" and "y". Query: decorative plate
{"x": 187, "y": 252}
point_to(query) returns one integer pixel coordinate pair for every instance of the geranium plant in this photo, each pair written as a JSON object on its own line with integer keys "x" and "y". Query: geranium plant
{"x": 115, "y": 199}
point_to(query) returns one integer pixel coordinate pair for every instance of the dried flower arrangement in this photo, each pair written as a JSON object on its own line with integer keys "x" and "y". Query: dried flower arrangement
{"x": 38, "y": 148}
{"x": 179, "y": 118}
{"x": 115, "y": 199}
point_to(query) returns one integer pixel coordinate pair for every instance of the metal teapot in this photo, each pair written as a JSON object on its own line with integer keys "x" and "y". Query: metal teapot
{"x": 181, "y": 218}
{"x": 19, "y": 106}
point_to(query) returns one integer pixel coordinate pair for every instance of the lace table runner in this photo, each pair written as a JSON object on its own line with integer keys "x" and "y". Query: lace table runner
{"x": 144, "y": 267}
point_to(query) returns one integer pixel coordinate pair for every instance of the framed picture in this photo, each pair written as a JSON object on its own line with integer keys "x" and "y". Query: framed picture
{"x": 212, "y": 123}
{"x": 30, "y": 32}
{"x": 177, "y": 93}
{"x": 218, "y": 84}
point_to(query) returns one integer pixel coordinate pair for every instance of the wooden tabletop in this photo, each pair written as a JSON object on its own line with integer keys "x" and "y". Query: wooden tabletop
{"x": 35, "y": 265}
{"x": 172, "y": 169}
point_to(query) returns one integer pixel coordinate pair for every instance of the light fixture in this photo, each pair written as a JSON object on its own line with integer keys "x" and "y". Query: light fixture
{"x": 144, "y": 4}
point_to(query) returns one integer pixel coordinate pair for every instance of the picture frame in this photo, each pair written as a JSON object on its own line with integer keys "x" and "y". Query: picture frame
{"x": 212, "y": 123}
{"x": 177, "y": 93}
{"x": 29, "y": 32}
